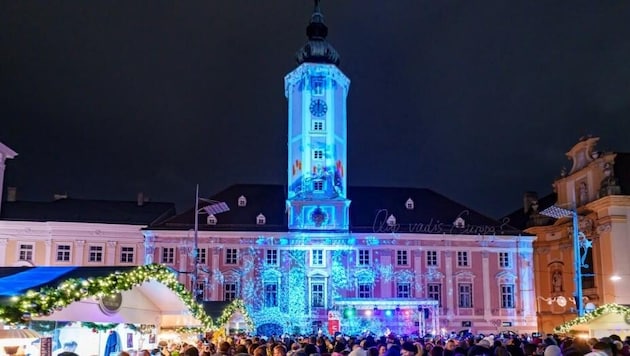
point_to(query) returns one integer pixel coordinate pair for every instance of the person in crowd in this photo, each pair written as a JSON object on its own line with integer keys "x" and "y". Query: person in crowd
{"x": 191, "y": 351}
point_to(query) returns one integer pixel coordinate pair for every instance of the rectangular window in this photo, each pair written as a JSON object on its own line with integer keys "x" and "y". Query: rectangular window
{"x": 229, "y": 292}
{"x": 432, "y": 258}
{"x": 271, "y": 294}
{"x": 127, "y": 254}
{"x": 63, "y": 253}
{"x": 231, "y": 256}
{"x": 434, "y": 291}
{"x": 317, "y": 257}
{"x": 318, "y": 185}
{"x": 507, "y": 296}
{"x": 318, "y": 154}
{"x": 318, "y": 125}
{"x": 402, "y": 258}
{"x": 462, "y": 259}
{"x": 200, "y": 291}
{"x": 271, "y": 257}
{"x": 96, "y": 254}
{"x": 317, "y": 295}
{"x": 465, "y": 295}
{"x": 317, "y": 86}
{"x": 504, "y": 260}
{"x": 26, "y": 252}
{"x": 403, "y": 290}
{"x": 365, "y": 290}
{"x": 363, "y": 258}
{"x": 168, "y": 255}
{"x": 202, "y": 256}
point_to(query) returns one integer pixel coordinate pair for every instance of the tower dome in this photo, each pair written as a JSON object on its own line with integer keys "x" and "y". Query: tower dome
{"x": 317, "y": 49}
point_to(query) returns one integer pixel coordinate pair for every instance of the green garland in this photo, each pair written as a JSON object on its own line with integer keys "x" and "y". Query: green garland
{"x": 588, "y": 317}
{"x": 190, "y": 330}
{"x": 142, "y": 329}
{"x": 98, "y": 327}
{"x": 48, "y": 299}
{"x": 237, "y": 305}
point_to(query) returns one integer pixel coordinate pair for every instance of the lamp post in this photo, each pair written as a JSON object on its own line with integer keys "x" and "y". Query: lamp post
{"x": 212, "y": 208}
{"x": 558, "y": 212}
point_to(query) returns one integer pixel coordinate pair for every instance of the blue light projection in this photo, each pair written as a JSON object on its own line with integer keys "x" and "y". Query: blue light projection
{"x": 317, "y": 165}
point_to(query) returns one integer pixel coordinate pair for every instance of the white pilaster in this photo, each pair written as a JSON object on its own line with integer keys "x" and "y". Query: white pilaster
{"x": 214, "y": 292}
{"x": 417, "y": 264}
{"x": 387, "y": 286}
{"x": 49, "y": 251}
{"x": 3, "y": 251}
{"x": 79, "y": 252}
{"x": 485, "y": 266}
{"x": 450, "y": 303}
{"x": 110, "y": 255}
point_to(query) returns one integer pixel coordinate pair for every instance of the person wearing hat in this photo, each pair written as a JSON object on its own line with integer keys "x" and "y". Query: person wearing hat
{"x": 482, "y": 347}
{"x": 408, "y": 349}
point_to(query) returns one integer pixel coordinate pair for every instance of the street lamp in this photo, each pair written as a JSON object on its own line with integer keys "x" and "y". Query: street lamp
{"x": 212, "y": 207}
{"x": 579, "y": 241}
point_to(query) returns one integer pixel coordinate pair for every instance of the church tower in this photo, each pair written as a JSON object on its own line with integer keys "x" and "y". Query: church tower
{"x": 317, "y": 164}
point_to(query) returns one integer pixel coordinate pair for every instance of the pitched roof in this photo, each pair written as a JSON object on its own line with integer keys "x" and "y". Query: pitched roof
{"x": 88, "y": 211}
{"x": 522, "y": 219}
{"x": 370, "y": 207}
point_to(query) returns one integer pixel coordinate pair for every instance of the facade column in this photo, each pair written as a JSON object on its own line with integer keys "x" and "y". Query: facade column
{"x": 182, "y": 253}
{"x": 3, "y": 251}
{"x": 214, "y": 291}
{"x": 526, "y": 291}
{"x": 79, "y": 253}
{"x": 48, "y": 252}
{"x": 149, "y": 247}
{"x": 450, "y": 303}
{"x": 417, "y": 267}
{"x": 387, "y": 286}
{"x": 110, "y": 256}
{"x": 485, "y": 265}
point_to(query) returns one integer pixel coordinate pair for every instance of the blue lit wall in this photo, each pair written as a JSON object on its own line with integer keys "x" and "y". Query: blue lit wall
{"x": 317, "y": 147}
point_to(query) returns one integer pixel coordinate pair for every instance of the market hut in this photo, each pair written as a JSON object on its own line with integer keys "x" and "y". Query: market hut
{"x": 101, "y": 298}
{"x": 604, "y": 321}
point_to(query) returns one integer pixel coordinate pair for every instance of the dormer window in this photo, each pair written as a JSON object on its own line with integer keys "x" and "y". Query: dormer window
{"x": 211, "y": 220}
{"x": 261, "y": 220}
{"x": 409, "y": 204}
{"x": 242, "y": 201}
{"x": 459, "y": 223}
{"x": 391, "y": 220}
{"x": 318, "y": 185}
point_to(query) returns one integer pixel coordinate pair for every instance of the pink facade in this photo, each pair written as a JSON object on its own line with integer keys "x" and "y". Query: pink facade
{"x": 482, "y": 283}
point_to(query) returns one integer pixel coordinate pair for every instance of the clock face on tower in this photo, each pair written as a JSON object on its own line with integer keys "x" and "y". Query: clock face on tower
{"x": 318, "y": 108}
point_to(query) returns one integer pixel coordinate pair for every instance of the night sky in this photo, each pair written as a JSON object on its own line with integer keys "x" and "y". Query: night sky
{"x": 477, "y": 100}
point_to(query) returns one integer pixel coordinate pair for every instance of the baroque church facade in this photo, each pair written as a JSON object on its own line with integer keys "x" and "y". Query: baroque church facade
{"x": 595, "y": 189}
{"x": 314, "y": 254}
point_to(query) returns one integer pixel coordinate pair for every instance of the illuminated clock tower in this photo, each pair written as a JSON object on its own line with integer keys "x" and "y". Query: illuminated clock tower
{"x": 317, "y": 164}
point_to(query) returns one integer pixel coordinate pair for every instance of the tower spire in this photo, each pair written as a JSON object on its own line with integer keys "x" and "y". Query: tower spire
{"x": 317, "y": 49}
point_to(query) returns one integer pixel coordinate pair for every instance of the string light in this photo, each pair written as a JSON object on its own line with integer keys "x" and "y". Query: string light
{"x": 603, "y": 310}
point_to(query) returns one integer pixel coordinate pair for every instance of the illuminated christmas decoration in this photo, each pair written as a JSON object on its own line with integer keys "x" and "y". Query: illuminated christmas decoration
{"x": 234, "y": 307}
{"x": 50, "y": 299}
{"x": 588, "y": 317}
{"x": 98, "y": 327}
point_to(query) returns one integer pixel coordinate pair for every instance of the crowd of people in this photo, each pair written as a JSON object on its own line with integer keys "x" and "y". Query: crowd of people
{"x": 340, "y": 345}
